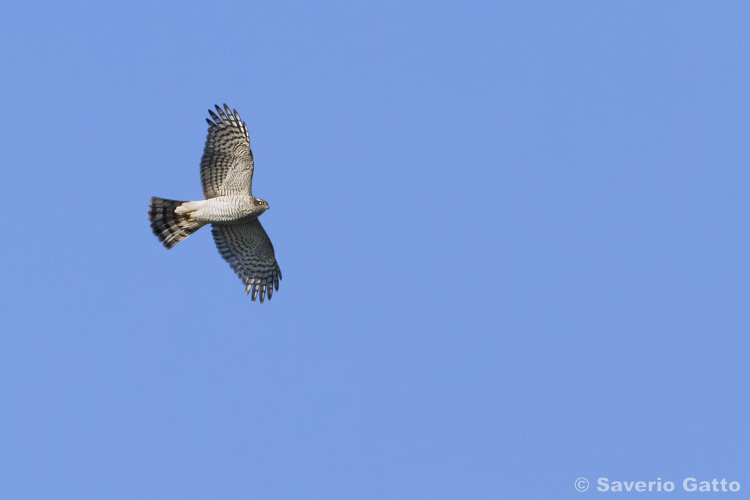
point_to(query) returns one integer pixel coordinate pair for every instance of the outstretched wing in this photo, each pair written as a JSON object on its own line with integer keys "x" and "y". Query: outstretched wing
{"x": 249, "y": 251}
{"x": 227, "y": 163}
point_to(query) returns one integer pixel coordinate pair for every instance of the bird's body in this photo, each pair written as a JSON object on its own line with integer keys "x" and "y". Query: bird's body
{"x": 226, "y": 174}
{"x": 222, "y": 209}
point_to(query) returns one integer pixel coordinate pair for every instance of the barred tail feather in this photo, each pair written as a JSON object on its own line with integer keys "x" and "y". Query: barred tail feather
{"x": 169, "y": 227}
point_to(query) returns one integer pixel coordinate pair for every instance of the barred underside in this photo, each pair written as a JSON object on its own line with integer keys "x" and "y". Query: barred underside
{"x": 249, "y": 252}
{"x": 169, "y": 227}
{"x": 227, "y": 162}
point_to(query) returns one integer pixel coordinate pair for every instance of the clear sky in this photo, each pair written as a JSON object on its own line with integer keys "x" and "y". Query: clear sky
{"x": 513, "y": 235}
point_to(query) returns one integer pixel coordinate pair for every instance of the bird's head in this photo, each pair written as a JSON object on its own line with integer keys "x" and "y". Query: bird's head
{"x": 261, "y": 204}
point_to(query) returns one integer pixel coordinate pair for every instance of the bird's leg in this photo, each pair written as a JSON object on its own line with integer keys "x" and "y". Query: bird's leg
{"x": 187, "y": 209}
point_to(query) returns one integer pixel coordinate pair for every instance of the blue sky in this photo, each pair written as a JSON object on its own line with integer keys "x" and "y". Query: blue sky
{"x": 513, "y": 235}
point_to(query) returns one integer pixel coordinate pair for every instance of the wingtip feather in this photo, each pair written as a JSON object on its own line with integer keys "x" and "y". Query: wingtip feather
{"x": 222, "y": 114}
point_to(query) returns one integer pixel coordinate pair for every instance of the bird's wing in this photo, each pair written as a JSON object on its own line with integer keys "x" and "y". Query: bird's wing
{"x": 249, "y": 251}
{"x": 227, "y": 163}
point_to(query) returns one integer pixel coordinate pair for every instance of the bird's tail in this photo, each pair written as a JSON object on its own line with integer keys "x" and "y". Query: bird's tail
{"x": 170, "y": 227}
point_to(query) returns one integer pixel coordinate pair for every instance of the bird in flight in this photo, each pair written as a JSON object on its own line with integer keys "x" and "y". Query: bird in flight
{"x": 230, "y": 207}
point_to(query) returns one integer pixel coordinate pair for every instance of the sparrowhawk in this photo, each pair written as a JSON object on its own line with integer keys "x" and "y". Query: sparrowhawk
{"x": 230, "y": 207}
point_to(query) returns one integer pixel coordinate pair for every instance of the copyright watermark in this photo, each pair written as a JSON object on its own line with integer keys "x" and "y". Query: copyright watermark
{"x": 658, "y": 485}
{"x": 582, "y": 484}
